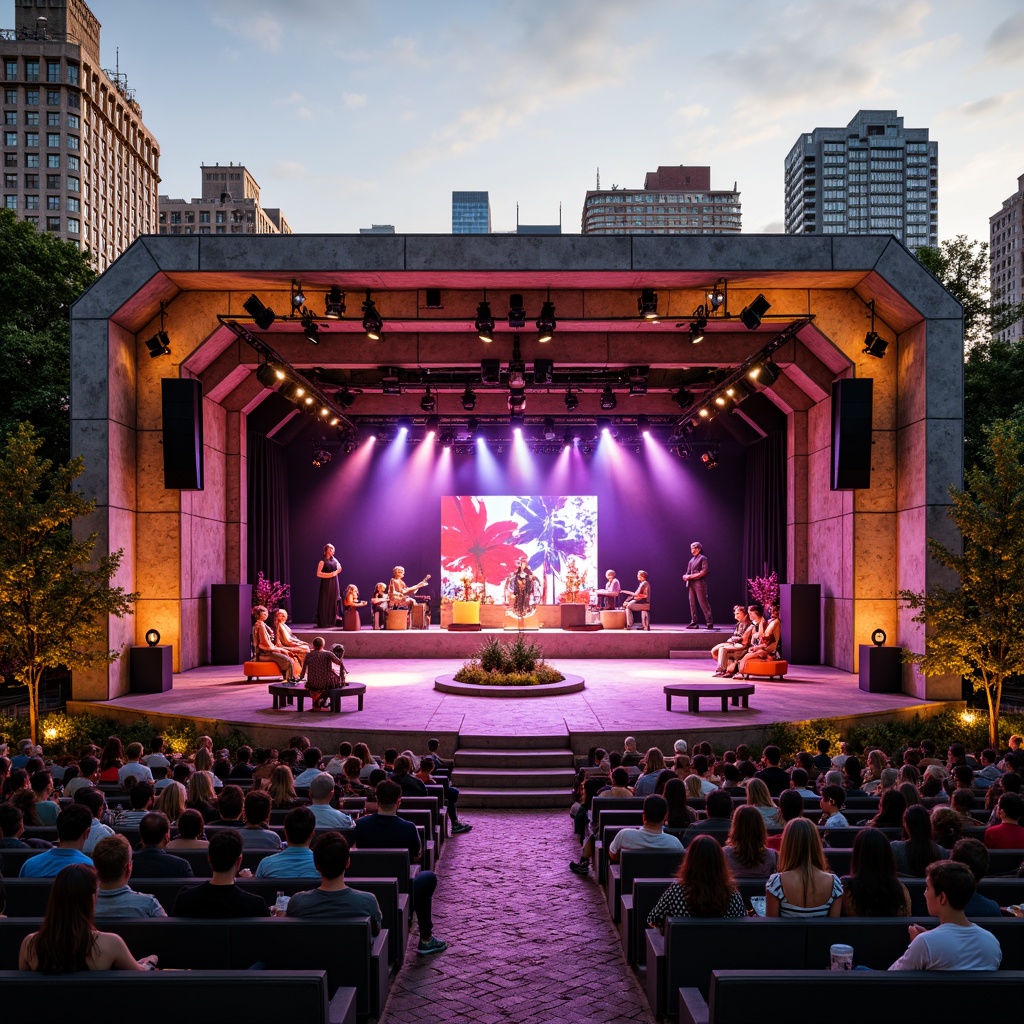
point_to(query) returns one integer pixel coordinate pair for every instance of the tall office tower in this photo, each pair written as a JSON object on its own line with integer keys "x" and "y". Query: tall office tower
{"x": 229, "y": 205}
{"x": 873, "y": 177}
{"x": 78, "y": 160}
{"x": 471, "y": 213}
{"x": 1006, "y": 253}
{"x": 673, "y": 201}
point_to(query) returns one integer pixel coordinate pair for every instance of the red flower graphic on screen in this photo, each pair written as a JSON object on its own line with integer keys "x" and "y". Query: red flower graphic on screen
{"x": 470, "y": 544}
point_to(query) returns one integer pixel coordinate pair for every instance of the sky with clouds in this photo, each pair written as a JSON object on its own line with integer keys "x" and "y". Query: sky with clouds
{"x": 352, "y": 112}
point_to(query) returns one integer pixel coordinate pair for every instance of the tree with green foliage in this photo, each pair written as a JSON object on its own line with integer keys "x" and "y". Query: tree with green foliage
{"x": 40, "y": 277}
{"x": 977, "y": 630}
{"x": 54, "y": 596}
{"x": 993, "y": 386}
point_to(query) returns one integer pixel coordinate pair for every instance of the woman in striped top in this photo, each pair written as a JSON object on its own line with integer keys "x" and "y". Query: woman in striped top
{"x": 803, "y": 886}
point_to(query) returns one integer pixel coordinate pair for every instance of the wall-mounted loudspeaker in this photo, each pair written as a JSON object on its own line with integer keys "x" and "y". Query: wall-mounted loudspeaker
{"x": 851, "y": 433}
{"x": 182, "y": 407}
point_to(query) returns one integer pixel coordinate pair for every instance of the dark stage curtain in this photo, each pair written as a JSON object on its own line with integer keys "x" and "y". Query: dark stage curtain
{"x": 269, "y": 546}
{"x": 764, "y": 513}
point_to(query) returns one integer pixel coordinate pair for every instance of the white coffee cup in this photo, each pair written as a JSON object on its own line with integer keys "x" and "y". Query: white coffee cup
{"x": 841, "y": 957}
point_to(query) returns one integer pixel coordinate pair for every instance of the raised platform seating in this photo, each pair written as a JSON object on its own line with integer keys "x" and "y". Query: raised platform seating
{"x": 344, "y": 949}
{"x": 920, "y": 995}
{"x": 87, "y": 997}
{"x": 692, "y": 948}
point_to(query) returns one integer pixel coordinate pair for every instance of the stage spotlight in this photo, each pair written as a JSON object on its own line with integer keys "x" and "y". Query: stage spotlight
{"x": 603, "y": 425}
{"x": 484, "y": 322}
{"x": 432, "y": 425}
{"x": 447, "y": 438}
{"x": 764, "y": 374}
{"x": 568, "y": 438}
{"x": 572, "y": 401}
{"x": 262, "y": 315}
{"x": 469, "y": 399}
{"x": 751, "y": 315}
{"x": 704, "y": 413}
{"x": 643, "y": 424}
{"x": 428, "y": 402}
{"x": 298, "y": 296}
{"x": 638, "y": 380}
{"x": 549, "y": 428}
{"x": 160, "y": 345}
{"x": 543, "y": 371}
{"x": 345, "y": 398}
{"x": 390, "y": 381}
{"x": 516, "y": 367}
{"x": 517, "y": 400}
{"x": 682, "y": 398}
{"x": 334, "y": 421}
{"x": 647, "y": 304}
{"x": 294, "y": 392}
{"x": 334, "y": 304}
{"x": 269, "y": 375}
{"x": 873, "y": 345}
{"x": 321, "y": 456}
{"x": 310, "y": 329}
{"x": 697, "y": 328}
{"x": 716, "y": 296}
{"x": 373, "y": 322}
{"x": 473, "y": 427}
{"x": 405, "y": 424}
{"x": 546, "y": 322}
{"x": 608, "y": 399}
{"x": 709, "y": 460}
{"x": 516, "y": 311}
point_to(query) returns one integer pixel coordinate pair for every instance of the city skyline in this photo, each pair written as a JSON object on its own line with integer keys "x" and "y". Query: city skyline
{"x": 347, "y": 116}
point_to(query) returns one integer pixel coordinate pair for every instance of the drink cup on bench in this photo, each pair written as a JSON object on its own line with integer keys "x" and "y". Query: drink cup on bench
{"x": 841, "y": 957}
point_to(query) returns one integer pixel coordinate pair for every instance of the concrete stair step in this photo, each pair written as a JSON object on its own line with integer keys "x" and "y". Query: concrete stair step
{"x": 466, "y": 758}
{"x": 560, "y": 742}
{"x": 513, "y": 778}
{"x": 515, "y": 798}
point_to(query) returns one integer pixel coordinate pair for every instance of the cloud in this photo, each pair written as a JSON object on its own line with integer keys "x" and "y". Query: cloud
{"x": 288, "y": 170}
{"x": 299, "y": 105}
{"x": 1006, "y": 43}
{"x": 692, "y": 112}
{"x": 352, "y": 100}
{"x": 986, "y": 105}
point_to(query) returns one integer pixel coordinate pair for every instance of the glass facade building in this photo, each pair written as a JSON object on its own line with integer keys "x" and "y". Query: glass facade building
{"x": 471, "y": 213}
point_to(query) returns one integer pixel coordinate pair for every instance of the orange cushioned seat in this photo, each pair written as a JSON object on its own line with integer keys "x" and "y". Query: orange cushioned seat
{"x": 769, "y": 668}
{"x": 261, "y": 670}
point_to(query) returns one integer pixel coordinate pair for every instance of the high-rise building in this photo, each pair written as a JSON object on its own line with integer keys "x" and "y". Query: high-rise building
{"x": 229, "y": 205}
{"x": 873, "y": 177}
{"x": 673, "y": 201}
{"x": 378, "y": 229}
{"x": 471, "y": 213}
{"x": 1006, "y": 252}
{"x": 78, "y": 160}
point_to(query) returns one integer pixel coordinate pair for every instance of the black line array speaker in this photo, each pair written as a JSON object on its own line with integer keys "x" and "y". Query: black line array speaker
{"x": 182, "y": 407}
{"x": 851, "y": 433}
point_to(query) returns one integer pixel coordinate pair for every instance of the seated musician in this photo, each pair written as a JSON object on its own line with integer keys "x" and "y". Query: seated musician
{"x": 609, "y": 593}
{"x": 639, "y": 600}
{"x": 379, "y": 605}
{"x": 399, "y": 595}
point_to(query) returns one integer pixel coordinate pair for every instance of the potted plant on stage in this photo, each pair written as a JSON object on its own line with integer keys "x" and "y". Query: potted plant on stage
{"x": 576, "y": 596}
{"x": 466, "y": 611}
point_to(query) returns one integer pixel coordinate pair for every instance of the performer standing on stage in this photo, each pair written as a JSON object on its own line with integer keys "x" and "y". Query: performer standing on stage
{"x": 328, "y": 571}
{"x": 399, "y": 595}
{"x": 696, "y": 577}
{"x": 520, "y": 588}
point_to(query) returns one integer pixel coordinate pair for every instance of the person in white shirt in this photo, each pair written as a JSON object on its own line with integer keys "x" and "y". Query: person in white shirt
{"x": 956, "y": 945}
{"x": 832, "y": 800}
{"x": 156, "y": 758}
{"x": 132, "y": 767}
{"x": 321, "y": 789}
{"x": 650, "y": 836}
{"x": 311, "y": 757}
{"x": 97, "y": 804}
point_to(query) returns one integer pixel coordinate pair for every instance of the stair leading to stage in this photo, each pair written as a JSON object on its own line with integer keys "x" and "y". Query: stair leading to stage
{"x": 514, "y": 771}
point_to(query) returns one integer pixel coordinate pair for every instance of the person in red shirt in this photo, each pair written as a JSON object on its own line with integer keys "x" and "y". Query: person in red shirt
{"x": 1009, "y": 833}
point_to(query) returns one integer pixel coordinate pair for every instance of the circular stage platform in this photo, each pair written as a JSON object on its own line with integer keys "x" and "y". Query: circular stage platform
{"x": 570, "y": 684}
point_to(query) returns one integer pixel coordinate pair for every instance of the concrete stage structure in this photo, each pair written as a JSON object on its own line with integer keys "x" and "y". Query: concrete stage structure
{"x": 821, "y": 296}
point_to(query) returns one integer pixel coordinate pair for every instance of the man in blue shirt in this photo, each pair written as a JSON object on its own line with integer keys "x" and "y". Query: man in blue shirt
{"x": 115, "y": 898}
{"x": 296, "y": 859}
{"x": 386, "y": 831}
{"x": 72, "y": 828}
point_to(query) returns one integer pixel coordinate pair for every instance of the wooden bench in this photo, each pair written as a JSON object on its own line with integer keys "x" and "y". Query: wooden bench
{"x": 286, "y": 694}
{"x": 901, "y": 995}
{"x": 261, "y": 670}
{"x": 766, "y": 669}
{"x": 87, "y": 996}
{"x": 734, "y": 692}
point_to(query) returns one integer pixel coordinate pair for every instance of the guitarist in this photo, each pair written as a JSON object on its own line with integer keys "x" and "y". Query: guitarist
{"x": 399, "y": 595}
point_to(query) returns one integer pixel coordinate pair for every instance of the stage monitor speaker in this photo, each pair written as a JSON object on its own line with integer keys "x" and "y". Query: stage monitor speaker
{"x": 182, "y": 400}
{"x": 851, "y": 433}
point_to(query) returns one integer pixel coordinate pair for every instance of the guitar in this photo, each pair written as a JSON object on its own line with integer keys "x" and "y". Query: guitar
{"x": 422, "y": 583}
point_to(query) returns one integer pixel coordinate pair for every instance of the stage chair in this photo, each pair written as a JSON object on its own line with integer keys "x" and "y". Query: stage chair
{"x": 613, "y": 619}
{"x": 261, "y": 670}
{"x": 397, "y": 618}
{"x": 351, "y": 621}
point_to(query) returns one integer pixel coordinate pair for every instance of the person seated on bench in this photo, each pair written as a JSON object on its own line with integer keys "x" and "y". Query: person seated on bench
{"x": 831, "y": 801}
{"x": 718, "y": 806}
{"x": 803, "y": 887}
{"x": 150, "y": 860}
{"x": 972, "y": 853}
{"x": 72, "y": 831}
{"x": 219, "y": 897}
{"x": 230, "y": 802}
{"x": 872, "y": 889}
{"x": 703, "y": 887}
{"x": 379, "y": 605}
{"x": 256, "y": 835}
{"x": 1009, "y": 833}
{"x": 423, "y": 773}
{"x": 266, "y": 648}
{"x": 287, "y": 640}
{"x": 115, "y": 899}
{"x": 765, "y": 644}
{"x": 956, "y": 944}
{"x": 295, "y": 860}
{"x": 190, "y": 832}
{"x": 916, "y": 850}
{"x": 68, "y": 939}
{"x": 791, "y": 805}
{"x": 321, "y": 791}
{"x": 384, "y": 830}
{"x": 651, "y": 835}
{"x": 311, "y": 758}
{"x": 736, "y": 646}
{"x": 333, "y": 899}
{"x": 323, "y": 671}
{"x": 746, "y": 851}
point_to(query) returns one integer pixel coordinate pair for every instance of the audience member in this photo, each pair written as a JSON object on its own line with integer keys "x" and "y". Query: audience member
{"x": 798, "y": 782}
{"x": 72, "y": 831}
{"x": 96, "y": 802}
{"x": 650, "y": 835}
{"x": 111, "y": 760}
{"x": 791, "y": 805}
{"x": 947, "y": 826}
{"x": 333, "y": 899}
{"x": 88, "y": 775}
{"x": 832, "y": 800}
{"x": 230, "y": 802}
{"x": 891, "y": 808}
{"x": 190, "y": 832}
{"x": 311, "y": 761}
{"x": 133, "y": 768}
{"x": 916, "y": 850}
{"x": 219, "y": 897}
{"x": 746, "y": 851}
{"x": 718, "y": 807}
{"x": 141, "y": 798}
{"x": 151, "y": 860}
{"x": 156, "y": 758}
{"x": 282, "y": 789}
{"x": 872, "y": 889}
{"x": 803, "y": 887}
{"x": 201, "y": 796}
{"x": 336, "y": 765}
{"x": 680, "y": 815}
{"x": 1009, "y": 833}
{"x": 321, "y": 790}
{"x": 974, "y": 855}
{"x": 771, "y": 774}
{"x": 758, "y": 796}
{"x": 47, "y": 807}
{"x": 171, "y": 801}
{"x": 822, "y": 760}
{"x": 112, "y": 859}
{"x": 296, "y": 859}
{"x": 653, "y": 763}
{"x": 256, "y": 835}
{"x": 703, "y": 887}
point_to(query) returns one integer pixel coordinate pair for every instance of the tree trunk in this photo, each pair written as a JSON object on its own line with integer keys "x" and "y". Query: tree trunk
{"x": 34, "y": 676}
{"x": 995, "y": 696}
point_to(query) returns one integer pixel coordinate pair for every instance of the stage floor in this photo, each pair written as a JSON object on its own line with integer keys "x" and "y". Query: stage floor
{"x": 622, "y": 696}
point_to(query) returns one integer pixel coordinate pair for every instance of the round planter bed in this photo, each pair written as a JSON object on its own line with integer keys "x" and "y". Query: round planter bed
{"x": 570, "y": 684}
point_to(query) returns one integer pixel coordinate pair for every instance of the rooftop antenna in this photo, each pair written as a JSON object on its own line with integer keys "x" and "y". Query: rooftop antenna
{"x": 599, "y": 179}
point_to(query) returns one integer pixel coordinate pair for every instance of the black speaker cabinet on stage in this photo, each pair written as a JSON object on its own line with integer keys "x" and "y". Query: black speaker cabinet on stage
{"x": 231, "y": 623}
{"x": 800, "y": 611}
{"x": 182, "y": 401}
{"x": 150, "y": 669}
{"x": 851, "y": 433}
{"x": 881, "y": 669}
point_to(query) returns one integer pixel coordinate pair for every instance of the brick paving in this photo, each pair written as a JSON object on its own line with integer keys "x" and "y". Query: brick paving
{"x": 529, "y": 942}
